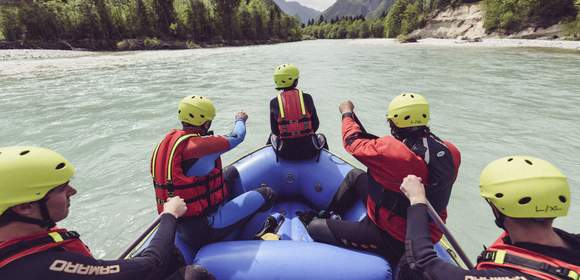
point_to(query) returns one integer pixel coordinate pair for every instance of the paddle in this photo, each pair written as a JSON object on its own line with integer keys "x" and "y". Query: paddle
{"x": 435, "y": 217}
{"x": 140, "y": 238}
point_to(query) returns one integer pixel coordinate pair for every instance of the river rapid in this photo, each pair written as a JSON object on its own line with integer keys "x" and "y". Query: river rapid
{"x": 106, "y": 111}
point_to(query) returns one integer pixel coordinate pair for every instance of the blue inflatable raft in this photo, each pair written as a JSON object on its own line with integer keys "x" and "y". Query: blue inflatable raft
{"x": 300, "y": 186}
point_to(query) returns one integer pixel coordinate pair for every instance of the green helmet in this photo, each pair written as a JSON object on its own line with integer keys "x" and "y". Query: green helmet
{"x": 27, "y": 174}
{"x": 196, "y": 110}
{"x": 525, "y": 187}
{"x": 285, "y": 75}
{"x": 409, "y": 110}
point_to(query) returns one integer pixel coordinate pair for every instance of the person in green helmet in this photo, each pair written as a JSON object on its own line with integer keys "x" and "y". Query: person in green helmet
{"x": 525, "y": 194}
{"x": 410, "y": 149}
{"x": 187, "y": 163}
{"x": 293, "y": 118}
{"x": 35, "y": 194}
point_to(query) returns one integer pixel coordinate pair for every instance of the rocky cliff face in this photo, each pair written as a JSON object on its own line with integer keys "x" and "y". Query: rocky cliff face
{"x": 463, "y": 21}
{"x": 466, "y": 22}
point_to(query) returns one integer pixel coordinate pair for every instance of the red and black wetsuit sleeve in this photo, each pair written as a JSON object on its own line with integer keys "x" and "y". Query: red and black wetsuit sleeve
{"x": 275, "y": 112}
{"x": 58, "y": 264}
{"x": 421, "y": 255}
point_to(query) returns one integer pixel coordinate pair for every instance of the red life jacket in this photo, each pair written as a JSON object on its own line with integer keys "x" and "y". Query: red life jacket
{"x": 169, "y": 179}
{"x": 294, "y": 120}
{"x": 15, "y": 249}
{"x": 391, "y": 213}
{"x": 502, "y": 255}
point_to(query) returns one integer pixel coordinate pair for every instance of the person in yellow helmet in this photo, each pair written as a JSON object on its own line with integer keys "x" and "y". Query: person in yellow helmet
{"x": 412, "y": 149}
{"x": 525, "y": 194}
{"x": 293, "y": 118}
{"x": 35, "y": 194}
{"x": 187, "y": 163}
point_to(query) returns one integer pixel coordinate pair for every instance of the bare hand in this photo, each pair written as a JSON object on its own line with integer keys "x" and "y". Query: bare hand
{"x": 241, "y": 116}
{"x": 346, "y": 107}
{"x": 413, "y": 188}
{"x": 175, "y": 206}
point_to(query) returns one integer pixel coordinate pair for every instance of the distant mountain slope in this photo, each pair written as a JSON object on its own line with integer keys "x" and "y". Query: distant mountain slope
{"x": 294, "y": 8}
{"x": 354, "y": 8}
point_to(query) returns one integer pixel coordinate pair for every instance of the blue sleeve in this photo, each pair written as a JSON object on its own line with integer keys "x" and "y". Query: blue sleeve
{"x": 237, "y": 135}
{"x": 205, "y": 164}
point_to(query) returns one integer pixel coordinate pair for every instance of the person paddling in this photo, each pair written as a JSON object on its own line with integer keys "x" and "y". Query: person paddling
{"x": 412, "y": 149}
{"x": 526, "y": 194}
{"x": 187, "y": 163}
{"x": 35, "y": 194}
{"x": 293, "y": 118}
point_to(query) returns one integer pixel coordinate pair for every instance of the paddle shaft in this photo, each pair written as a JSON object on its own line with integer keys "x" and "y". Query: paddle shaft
{"x": 140, "y": 238}
{"x": 435, "y": 217}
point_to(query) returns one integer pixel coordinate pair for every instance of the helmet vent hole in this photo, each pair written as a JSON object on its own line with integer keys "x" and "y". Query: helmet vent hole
{"x": 201, "y": 97}
{"x": 290, "y": 78}
{"x": 510, "y": 159}
{"x": 528, "y": 162}
{"x": 407, "y": 117}
{"x": 425, "y": 116}
{"x": 179, "y": 112}
{"x": 499, "y": 195}
{"x": 562, "y": 198}
{"x": 193, "y": 97}
{"x": 202, "y": 116}
{"x": 191, "y": 115}
{"x": 396, "y": 116}
{"x": 525, "y": 200}
{"x": 24, "y": 152}
{"x": 412, "y": 96}
{"x": 60, "y": 166}
{"x": 404, "y": 94}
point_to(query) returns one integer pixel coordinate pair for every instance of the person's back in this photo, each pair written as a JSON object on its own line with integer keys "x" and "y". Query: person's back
{"x": 412, "y": 149}
{"x": 293, "y": 118}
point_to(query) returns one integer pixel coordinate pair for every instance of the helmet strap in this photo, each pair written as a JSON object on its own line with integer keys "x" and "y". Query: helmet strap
{"x": 499, "y": 217}
{"x": 45, "y": 222}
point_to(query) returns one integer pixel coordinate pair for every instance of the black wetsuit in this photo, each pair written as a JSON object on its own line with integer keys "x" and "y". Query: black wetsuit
{"x": 422, "y": 257}
{"x": 299, "y": 148}
{"x": 153, "y": 263}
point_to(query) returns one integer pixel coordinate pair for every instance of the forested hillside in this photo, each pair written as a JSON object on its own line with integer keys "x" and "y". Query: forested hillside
{"x": 501, "y": 16}
{"x": 108, "y": 24}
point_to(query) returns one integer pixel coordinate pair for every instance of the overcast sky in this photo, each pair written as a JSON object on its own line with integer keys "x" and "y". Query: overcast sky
{"x": 320, "y": 5}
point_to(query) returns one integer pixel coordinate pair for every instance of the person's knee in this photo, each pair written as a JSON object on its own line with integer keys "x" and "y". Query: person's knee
{"x": 269, "y": 197}
{"x": 197, "y": 272}
{"x": 319, "y": 230}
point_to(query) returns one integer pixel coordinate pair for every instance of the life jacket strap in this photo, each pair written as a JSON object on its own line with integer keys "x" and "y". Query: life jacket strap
{"x": 53, "y": 237}
{"x": 503, "y": 257}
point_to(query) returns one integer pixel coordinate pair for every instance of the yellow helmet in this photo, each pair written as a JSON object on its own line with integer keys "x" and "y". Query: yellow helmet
{"x": 285, "y": 75}
{"x": 525, "y": 187}
{"x": 196, "y": 110}
{"x": 27, "y": 174}
{"x": 409, "y": 110}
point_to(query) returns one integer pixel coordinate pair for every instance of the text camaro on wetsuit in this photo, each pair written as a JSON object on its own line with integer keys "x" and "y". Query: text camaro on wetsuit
{"x": 294, "y": 120}
{"x": 199, "y": 192}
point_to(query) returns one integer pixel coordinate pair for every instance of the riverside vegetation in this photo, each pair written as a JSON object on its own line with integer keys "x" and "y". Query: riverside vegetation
{"x": 142, "y": 24}
{"x": 158, "y": 24}
{"x": 405, "y": 16}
